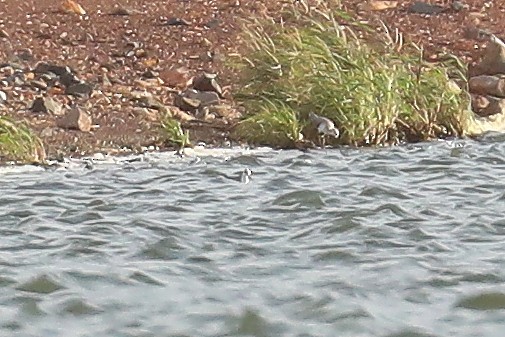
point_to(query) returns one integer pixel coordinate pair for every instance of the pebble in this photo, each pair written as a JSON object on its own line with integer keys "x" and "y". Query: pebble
{"x": 120, "y": 11}
{"x": 420, "y": 7}
{"x": 176, "y": 22}
{"x": 47, "y": 132}
{"x": 38, "y": 84}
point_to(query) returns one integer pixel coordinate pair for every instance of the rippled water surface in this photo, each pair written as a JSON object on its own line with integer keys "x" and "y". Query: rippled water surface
{"x": 400, "y": 242}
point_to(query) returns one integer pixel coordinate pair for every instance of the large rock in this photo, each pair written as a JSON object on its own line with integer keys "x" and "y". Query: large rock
{"x": 206, "y": 98}
{"x": 79, "y": 89}
{"x": 46, "y": 105}
{"x": 493, "y": 61}
{"x": 488, "y": 105}
{"x": 487, "y": 85}
{"x": 192, "y": 100}
{"x": 177, "y": 78}
{"x": 68, "y": 79}
{"x": 207, "y": 82}
{"x": 75, "y": 119}
{"x": 43, "y": 67}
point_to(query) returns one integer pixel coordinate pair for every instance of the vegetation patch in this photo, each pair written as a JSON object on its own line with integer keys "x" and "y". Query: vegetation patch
{"x": 375, "y": 88}
{"x": 174, "y": 134}
{"x": 18, "y": 143}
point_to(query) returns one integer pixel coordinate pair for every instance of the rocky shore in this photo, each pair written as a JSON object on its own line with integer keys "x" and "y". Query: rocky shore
{"x": 99, "y": 76}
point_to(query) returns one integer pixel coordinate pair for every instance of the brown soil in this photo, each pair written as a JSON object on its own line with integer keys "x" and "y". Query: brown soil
{"x": 36, "y": 30}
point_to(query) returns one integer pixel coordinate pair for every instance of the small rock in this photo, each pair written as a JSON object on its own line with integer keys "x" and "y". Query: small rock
{"x": 140, "y": 53}
{"x": 25, "y": 55}
{"x": 176, "y": 22}
{"x": 3, "y": 96}
{"x": 207, "y": 82}
{"x": 79, "y": 89}
{"x": 147, "y": 83}
{"x": 18, "y": 81}
{"x": 213, "y": 23}
{"x": 120, "y": 11}
{"x": 149, "y": 114}
{"x": 477, "y": 34}
{"x": 202, "y": 113}
{"x": 68, "y": 79}
{"x": 205, "y": 98}
{"x": 106, "y": 81}
{"x": 149, "y": 74}
{"x": 49, "y": 78}
{"x": 69, "y": 6}
{"x": 149, "y": 101}
{"x": 207, "y": 56}
{"x": 420, "y": 7}
{"x": 75, "y": 119}
{"x": 4, "y": 34}
{"x": 225, "y": 111}
{"x": 43, "y": 67}
{"x": 45, "y": 105}
{"x": 38, "y": 84}
{"x": 186, "y": 104}
{"x": 380, "y": 5}
{"x": 180, "y": 115}
{"x": 47, "y": 132}
{"x": 459, "y": 6}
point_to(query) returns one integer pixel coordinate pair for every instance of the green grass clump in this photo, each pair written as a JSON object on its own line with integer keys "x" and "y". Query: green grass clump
{"x": 18, "y": 143}
{"x": 276, "y": 124}
{"x": 376, "y": 89}
{"x": 174, "y": 133}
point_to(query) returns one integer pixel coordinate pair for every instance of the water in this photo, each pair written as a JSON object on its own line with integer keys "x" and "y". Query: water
{"x": 400, "y": 242}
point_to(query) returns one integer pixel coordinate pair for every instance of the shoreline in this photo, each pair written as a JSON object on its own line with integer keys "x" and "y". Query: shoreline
{"x": 153, "y": 49}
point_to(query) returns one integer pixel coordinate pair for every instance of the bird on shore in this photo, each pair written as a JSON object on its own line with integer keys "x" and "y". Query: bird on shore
{"x": 325, "y": 127}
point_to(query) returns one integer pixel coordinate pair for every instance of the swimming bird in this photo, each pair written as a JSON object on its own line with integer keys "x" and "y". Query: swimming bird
{"x": 324, "y": 126}
{"x": 245, "y": 176}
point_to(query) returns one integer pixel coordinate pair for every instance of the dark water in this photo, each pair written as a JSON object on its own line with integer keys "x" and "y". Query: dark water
{"x": 408, "y": 241}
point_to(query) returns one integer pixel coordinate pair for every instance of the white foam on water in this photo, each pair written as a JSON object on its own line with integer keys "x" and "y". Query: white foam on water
{"x": 190, "y": 154}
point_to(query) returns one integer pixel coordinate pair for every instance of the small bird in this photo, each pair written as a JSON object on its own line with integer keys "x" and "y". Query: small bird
{"x": 245, "y": 176}
{"x": 324, "y": 126}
